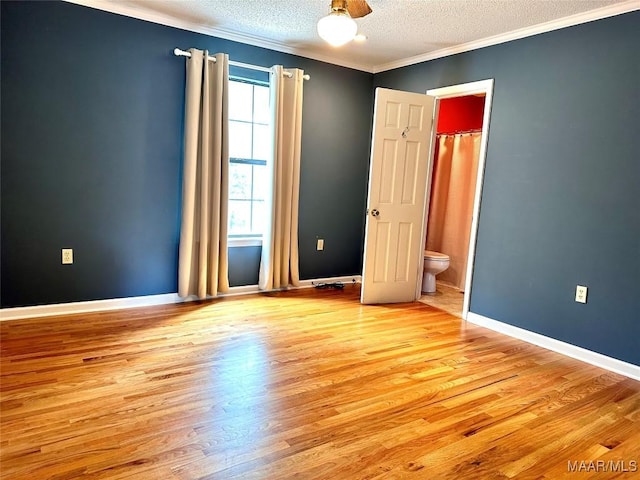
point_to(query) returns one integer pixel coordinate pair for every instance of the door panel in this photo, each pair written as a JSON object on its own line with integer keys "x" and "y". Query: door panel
{"x": 388, "y": 170}
{"x": 392, "y": 114}
{"x": 403, "y": 268}
{"x": 383, "y": 234}
{"x": 410, "y": 177}
{"x": 402, "y": 134}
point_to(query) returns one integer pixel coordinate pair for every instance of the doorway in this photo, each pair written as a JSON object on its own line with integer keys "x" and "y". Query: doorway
{"x": 400, "y": 172}
{"x": 456, "y": 299}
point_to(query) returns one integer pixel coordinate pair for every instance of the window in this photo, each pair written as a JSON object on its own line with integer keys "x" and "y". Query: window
{"x": 249, "y": 146}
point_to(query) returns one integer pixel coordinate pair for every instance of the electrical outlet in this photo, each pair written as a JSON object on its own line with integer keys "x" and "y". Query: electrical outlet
{"x": 320, "y": 244}
{"x": 581, "y": 294}
{"x": 67, "y": 256}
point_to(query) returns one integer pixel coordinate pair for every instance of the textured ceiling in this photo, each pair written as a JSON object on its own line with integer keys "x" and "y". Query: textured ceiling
{"x": 396, "y": 30}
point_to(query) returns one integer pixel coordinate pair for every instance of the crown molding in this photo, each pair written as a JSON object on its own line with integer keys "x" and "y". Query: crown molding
{"x": 584, "y": 17}
{"x": 139, "y": 13}
{"x": 169, "y": 21}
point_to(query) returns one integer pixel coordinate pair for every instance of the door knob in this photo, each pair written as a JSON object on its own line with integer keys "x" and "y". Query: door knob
{"x": 375, "y": 212}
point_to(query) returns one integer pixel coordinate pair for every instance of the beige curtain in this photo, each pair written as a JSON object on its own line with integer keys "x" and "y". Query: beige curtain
{"x": 203, "y": 260}
{"x": 279, "y": 262}
{"x": 451, "y": 205}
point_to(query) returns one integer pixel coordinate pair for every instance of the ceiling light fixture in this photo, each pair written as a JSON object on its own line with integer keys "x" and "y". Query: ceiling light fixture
{"x": 338, "y": 27}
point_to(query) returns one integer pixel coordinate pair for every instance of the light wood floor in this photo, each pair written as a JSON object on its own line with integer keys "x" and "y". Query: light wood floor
{"x": 305, "y": 384}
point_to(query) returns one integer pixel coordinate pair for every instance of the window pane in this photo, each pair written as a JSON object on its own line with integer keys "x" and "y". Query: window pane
{"x": 239, "y": 217}
{"x": 259, "y": 217}
{"x": 261, "y": 142}
{"x": 249, "y": 138}
{"x": 260, "y": 182}
{"x": 261, "y": 104}
{"x": 239, "y": 140}
{"x": 240, "y": 101}
{"x": 239, "y": 181}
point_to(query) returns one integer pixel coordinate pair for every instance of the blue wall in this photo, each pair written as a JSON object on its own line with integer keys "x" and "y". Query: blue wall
{"x": 92, "y": 110}
{"x": 561, "y": 198}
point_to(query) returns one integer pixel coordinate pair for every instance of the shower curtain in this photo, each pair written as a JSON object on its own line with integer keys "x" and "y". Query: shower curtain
{"x": 451, "y": 205}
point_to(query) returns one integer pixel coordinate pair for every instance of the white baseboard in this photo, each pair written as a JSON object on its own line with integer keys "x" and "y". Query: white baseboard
{"x": 612, "y": 364}
{"x": 89, "y": 306}
{"x": 143, "y": 301}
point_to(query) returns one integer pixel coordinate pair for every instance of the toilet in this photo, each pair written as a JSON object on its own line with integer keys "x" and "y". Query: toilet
{"x": 434, "y": 263}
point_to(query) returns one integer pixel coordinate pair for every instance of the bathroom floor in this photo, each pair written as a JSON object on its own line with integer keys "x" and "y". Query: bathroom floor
{"x": 445, "y": 298}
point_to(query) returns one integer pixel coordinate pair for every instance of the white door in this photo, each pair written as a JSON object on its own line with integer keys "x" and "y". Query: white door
{"x": 394, "y": 232}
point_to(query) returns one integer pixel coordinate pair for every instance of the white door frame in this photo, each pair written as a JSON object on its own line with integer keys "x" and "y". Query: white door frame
{"x": 486, "y": 87}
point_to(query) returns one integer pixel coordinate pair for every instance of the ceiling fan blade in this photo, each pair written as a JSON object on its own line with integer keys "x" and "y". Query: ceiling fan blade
{"x": 358, "y": 8}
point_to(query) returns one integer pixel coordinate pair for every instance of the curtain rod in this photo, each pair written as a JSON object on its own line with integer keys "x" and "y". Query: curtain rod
{"x": 460, "y": 132}
{"x": 181, "y": 53}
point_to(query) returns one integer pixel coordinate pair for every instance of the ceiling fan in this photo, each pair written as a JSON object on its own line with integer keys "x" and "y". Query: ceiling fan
{"x": 338, "y": 27}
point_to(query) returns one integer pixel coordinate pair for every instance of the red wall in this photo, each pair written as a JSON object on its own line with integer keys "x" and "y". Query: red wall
{"x": 460, "y": 113}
